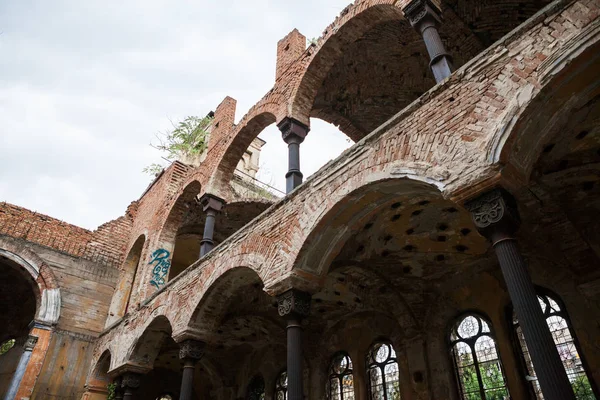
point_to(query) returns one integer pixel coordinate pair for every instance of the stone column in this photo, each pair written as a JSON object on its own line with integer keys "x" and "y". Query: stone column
{"x": 211, "y": 205}
{"x": 294, "y": 305}
{"x": 118, "y": 389}
{"x": 425, "y": 17}
{"x": 130, "y": 382}
{"x": 190, "y": 351}
{"x": 293, "y": 133}
{"x": 496, "y": 217}
{"x": 20, "y": 371}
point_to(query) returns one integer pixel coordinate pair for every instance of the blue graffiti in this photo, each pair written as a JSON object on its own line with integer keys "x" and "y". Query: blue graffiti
{"x": 161, "y": 262}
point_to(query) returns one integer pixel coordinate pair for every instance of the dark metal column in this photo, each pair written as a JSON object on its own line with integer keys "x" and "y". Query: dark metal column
{"x": 130, "y": 382}
{"x": 294, "y": 305}
{"x": 496, "y": 217}
{"x": 425, "y": 17}
{"x": 190, "y": 351}
{"x": 293, "y": 133}
{"x": 211, "y": 205}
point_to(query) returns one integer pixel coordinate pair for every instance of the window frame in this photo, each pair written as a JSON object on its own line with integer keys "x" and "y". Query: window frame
{"x": 381, "y": 367}
{"x": 452, "y": 326}
{"x": 331, "y": 375}
{"x": 279, "y": 387}
{"x": 518, "y": 351}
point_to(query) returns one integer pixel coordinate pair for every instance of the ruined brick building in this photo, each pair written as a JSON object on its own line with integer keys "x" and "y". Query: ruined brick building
{"x": 453, "y": 252}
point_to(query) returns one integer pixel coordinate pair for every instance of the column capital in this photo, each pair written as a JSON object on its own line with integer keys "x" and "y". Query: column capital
{"x": 418, "y": 11}
{"x": 191, "y": 350}
{"x": 131, "y": 380}
{"x": 212, "y": 202}
{"x": 293, "y": 303}
{"x": 30, "y": 343}
{"x": 293, "y": 130}
{"x": 495, "y": 214}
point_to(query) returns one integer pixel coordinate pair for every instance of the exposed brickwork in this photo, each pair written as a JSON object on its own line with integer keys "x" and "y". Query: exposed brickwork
{"x": 447, "y": 150}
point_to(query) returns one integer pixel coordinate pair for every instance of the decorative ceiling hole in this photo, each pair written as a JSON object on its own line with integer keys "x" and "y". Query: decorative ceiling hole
{"x": 451, "y": 99}
{"x": 318, "y": 301}
{"x": 465, "y": 231}
{"x": 387, "y": 238}
{"x": 220, "y": 331}
{"x": 548, "y": 148}
{"x": 321, "y": 310}
{"x": 410, "y": 231}
{"x": 340, "y": 303}
{"x": 581, "y": 135}
{"x": 588, "y": 186}
{"x": 396, "y": 205}
{"x": 461, "y": 248}
{"x": 409, "y": 247}
{"x": 360, "y": 249}
{"x": 424, "y": 202}
{"x": 450, "y": 210}
{"x": 220, "y": 347}
{"x": 341, "y": 279}
{"x": 385, "y": 253}
{"x": 368, "y": 226}
{"x": 440, "y": 257}
{"x": 396, "y": 217}
{"x": 417, "y": 212}
{"x": 442, "y": 226}
{"x": 563, "y": 164}
{"x": 337, "y": 293}
{"x": 406, "y": 270}
{"x": 237, "y": 328}
{"x": 441, "y": 238}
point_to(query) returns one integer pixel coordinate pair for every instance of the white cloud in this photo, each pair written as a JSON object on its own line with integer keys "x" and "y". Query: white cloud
{"x": 84, "y": 86}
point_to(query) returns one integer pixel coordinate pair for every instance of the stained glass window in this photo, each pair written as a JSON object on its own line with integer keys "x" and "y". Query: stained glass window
{"x": 281, "y": 386}
{"x": 256, "y": 389}
{"x": 384, "y": 377}
{"x": 560, "y": 329}
{"x": 6, "y": 346}
{"x": 476, "y": 360}
{"x": 340, "y": 385}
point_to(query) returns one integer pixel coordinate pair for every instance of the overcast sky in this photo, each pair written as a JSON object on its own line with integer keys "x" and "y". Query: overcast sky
{"x": 85, "y": 85}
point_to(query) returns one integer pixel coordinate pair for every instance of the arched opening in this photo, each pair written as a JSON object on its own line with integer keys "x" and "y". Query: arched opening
{"x": 123, "y": 292}
{"x": 383, "y": 372}
{"x": 477, "y": 366}
{"x": 340, "y": 383}
{"x": 98, "y": 384}
{"x": 245, "y": 335}
{"x": 19, "y": 295}
{"x": 566, "y": 342}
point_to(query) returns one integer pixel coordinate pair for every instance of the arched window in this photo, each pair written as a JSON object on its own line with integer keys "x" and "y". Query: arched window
{"x": 384, "y": 377}
{"x": 476, "y": 361}
{"x": 165, "y": 397}
{"x": 560, "y": 328}
{"x": 256, "y": 389}
{"x": 281, "y": 386}
{"x": 340, "y": 385}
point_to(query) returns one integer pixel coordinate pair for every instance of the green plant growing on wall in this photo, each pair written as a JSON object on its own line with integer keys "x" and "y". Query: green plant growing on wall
{"x": 6, "y": 346}
{"x": 111, "y": 391}
{"x": 187, "y": 138}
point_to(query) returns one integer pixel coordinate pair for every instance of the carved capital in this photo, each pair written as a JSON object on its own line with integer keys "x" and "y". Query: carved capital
{"x": 495, "y": 214}
{"x": 130, "y": 380}
{"x": 212, "y": 202}
{"x": 294, "y": 303}
{"x": 191, "y": 350}
{"x": 293, "y": 130}
{"x": 418, "y": 11}
{"x": 30, "y": 343}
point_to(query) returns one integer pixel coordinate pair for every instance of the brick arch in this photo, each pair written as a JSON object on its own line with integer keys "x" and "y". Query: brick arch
{"x": 211, "y": 306}
{"x": 47, "y": 291}
{"x": 258, "y": 118}
{"x": 353, "y": 22}
{"x": 123, "y": 292}
{"x": 323, "y": 238}
{"x": 144, "y": 350}
{"x": 539, "y": 112}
